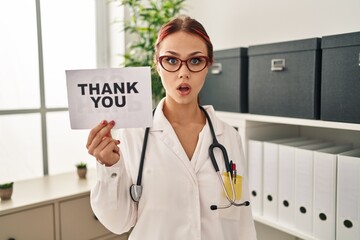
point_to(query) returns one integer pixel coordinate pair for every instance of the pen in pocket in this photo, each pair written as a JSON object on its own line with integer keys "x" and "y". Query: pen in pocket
{"x": 234, "y": 173}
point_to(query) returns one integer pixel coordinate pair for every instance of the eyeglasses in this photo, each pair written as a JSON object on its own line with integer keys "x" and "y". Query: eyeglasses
{"x": 173, "y": 64}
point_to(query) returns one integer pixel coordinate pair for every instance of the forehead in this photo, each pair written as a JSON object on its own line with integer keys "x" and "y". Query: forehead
{"x": 183, "y": 44}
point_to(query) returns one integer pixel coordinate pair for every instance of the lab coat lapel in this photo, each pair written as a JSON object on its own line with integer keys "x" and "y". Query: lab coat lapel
{"x": 168, "y": 136}
{"x": 203, "y": 155}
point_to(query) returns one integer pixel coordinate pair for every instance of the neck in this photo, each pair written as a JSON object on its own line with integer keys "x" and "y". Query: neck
{"x": 182, "y": 113}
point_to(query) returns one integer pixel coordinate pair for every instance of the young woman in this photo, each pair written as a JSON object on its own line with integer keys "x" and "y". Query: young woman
{"x": 179, "y": 181}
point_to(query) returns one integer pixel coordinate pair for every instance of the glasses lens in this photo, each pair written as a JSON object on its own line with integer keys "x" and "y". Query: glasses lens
{"x": 196, "y": 64}
{"x": 170, "y": 64}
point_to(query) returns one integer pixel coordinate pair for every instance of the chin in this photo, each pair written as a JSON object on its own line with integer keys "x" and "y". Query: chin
{"x": 183, "y": 100}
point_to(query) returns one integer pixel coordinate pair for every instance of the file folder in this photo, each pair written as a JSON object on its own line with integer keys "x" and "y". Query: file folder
{"x": 304, "y": 162}
{"x": 255, "y": 162}
{"x": 348, "y": 195}
{"x": 270, "y": 177}
{"x": 286, "y": 193}
{"x": 324, "y": 215}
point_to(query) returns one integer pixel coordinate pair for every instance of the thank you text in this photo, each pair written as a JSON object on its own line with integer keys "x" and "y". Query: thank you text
{"x": 120, "y": 94}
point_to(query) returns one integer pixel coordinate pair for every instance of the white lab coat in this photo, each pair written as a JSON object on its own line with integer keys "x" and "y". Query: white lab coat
{"x": 177, "y": 193}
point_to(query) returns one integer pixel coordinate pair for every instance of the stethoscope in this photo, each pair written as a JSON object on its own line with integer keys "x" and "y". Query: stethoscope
{"x": 136, "y": 189}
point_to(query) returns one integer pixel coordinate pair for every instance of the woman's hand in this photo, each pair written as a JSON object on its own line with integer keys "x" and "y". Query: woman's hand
{"x": 102, "y": 146}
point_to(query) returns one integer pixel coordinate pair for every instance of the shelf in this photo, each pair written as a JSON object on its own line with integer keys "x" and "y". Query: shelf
{"x": 264, "y": 127}
{"x": 291, "y": 121}
{"x": 283, "y": 228}
{"x": 38, "y": 191}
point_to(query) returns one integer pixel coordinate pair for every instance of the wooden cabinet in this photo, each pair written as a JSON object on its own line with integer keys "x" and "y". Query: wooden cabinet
{"x": 77, "y": 219}
{"x": 36, "y": 223}
{"x": 53, "y": 208}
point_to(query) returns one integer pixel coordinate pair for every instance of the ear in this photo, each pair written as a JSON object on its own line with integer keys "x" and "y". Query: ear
{"x": 157, "y": 65}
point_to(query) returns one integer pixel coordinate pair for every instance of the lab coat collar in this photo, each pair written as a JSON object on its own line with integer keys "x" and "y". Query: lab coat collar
{"x": 160, "y": 122}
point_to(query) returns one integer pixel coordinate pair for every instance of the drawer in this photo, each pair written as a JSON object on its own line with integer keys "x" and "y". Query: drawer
{"x": 37, "y": 223}
{"x": 77, "y": 219}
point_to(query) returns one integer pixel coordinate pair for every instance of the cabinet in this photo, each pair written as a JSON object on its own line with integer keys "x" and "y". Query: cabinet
{"x": 259, "y": 127}
{"x": 36, "y": 223}
{"x": 53, "y": 208}
{"x": 77, "y": 219}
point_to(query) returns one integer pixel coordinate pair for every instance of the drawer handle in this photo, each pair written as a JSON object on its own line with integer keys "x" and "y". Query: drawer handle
{"x": 277, "y": 65}
{"x": 359, "y": 59}
{"x": 216, "y": 68}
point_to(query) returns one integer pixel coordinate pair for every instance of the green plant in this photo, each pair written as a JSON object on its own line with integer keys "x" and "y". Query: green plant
{"x": 6, "y": 185}
{"x": 143, "y": 25}
{"x": 81, "y": 165}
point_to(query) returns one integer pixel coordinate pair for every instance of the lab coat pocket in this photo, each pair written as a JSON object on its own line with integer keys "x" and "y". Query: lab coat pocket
{"x": 233, "y": 212}
{"x": 237, "y": 183}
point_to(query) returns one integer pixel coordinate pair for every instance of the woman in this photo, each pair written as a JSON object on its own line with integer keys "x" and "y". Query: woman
{"x": 179, "y": 180}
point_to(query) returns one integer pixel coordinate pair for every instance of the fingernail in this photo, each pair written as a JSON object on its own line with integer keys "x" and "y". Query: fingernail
{"x": 112, "y": 122}
{"x": 117, "y": 142}
{"x": 103, "y": 122}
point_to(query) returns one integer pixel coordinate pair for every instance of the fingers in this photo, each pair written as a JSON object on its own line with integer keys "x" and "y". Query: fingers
{"x": 116, "y": 148}
{"x": 94, "y": 131}
{"x": 107, "y": 143}
{"x": 101, "y": 145}
{"x": 107, "y": 152}
{"x": 98, "y": 133}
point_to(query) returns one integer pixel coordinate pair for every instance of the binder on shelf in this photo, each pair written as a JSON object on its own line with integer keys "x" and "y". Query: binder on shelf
{"x": 286, "y": 192}
{"x": 270, "y": 176}
{"x": 255, "y": 163}
{"x": 348, "y": 195}
{"x": 324, "y": 215}
{"x": 304, "y": 159}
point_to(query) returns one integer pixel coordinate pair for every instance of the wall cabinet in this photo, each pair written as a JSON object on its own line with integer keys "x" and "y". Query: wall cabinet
{"x": 259, "y": 127}
{"x": 52, "y": 208}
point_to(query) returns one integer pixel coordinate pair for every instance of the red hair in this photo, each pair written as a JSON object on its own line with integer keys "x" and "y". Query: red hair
{"x": 185, "y": 24}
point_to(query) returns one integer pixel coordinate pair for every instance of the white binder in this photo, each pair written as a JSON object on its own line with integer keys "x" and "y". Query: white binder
{"x": 348, "y": 195}
{"x": 324, "y": 214}
{"x": 270, "y": 177}
{"x": 286, "y": 194}
{"x": 304, "y": 161}
{"x": 255, "y": 163}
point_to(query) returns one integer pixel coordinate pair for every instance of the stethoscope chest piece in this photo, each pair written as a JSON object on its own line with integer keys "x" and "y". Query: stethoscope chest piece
{"x": 135, "y": 192}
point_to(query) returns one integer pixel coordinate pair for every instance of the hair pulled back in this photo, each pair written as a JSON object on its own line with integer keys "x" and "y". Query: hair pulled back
{"x": 188, "y": 25}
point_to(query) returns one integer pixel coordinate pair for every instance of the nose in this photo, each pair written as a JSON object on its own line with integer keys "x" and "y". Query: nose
{"x": 184, "y": 71}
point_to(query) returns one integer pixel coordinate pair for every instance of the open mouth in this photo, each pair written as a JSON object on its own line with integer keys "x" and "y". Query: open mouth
{"x": 184, "y": 89}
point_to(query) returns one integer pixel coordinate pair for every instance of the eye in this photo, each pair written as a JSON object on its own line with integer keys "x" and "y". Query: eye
{"x": 171, "y": 60}
{"x": 196, "y": 60}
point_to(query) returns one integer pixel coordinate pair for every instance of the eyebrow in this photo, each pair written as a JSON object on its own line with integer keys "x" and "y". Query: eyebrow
{"x": 177, "y": 54}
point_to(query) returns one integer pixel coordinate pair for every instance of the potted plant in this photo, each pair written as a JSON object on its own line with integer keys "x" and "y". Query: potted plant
{"x": 6, "y": 190}
{"x": 143, "y": 25}
{"x": 81, "y": 169}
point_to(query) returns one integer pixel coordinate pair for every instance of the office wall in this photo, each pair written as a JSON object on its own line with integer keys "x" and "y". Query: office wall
{"x": 240, "y": 23}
